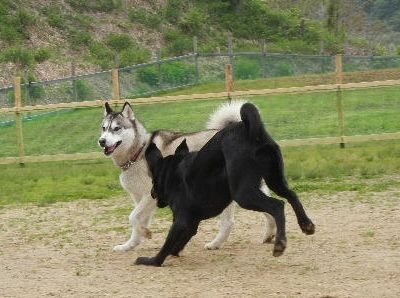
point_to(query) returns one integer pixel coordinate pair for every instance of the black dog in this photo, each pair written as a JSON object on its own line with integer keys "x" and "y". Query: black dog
{"x": 200, "y": 185}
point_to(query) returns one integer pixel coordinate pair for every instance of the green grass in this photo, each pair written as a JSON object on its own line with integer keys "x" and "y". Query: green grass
{"x": 287, "y": 116}
{"x": 358, "y": 167}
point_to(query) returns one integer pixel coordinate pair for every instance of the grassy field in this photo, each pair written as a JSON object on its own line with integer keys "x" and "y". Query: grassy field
{"x": 287, "y": 116}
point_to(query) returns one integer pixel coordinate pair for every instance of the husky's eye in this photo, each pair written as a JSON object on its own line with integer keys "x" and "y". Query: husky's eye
{"x": 103, "y": 128}
{"x": 117, "y": 128}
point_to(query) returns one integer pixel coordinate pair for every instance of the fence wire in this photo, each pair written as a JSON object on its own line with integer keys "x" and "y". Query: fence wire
{"x": 163, "y": 75}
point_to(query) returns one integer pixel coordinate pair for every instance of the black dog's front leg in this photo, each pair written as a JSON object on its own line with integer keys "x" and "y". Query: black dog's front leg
{"x": 178, "y": 236}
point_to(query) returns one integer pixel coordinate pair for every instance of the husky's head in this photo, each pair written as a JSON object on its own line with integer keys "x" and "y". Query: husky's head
{"x": 119, "y": 130}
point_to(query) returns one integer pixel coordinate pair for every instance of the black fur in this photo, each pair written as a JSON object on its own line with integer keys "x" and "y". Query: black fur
{"x": 230, "y": 166}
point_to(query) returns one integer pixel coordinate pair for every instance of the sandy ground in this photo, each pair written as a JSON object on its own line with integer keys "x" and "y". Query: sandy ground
{"x": 64, "y": 250}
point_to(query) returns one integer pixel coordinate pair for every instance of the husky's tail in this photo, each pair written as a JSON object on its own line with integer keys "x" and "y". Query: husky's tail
{"x": 255, "y": 127}
{"x": 226, "y": 114}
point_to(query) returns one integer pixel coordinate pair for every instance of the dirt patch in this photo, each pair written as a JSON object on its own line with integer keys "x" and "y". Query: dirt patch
{"x": 64, "y": 250}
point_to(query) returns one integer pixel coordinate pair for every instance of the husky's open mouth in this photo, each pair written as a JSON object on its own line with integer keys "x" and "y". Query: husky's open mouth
{"x": 109, "y": 150}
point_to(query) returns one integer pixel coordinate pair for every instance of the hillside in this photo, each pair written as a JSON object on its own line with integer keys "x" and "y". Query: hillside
{"x": 41, "y": 39}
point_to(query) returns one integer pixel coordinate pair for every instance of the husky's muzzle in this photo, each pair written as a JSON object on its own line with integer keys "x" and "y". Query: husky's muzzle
{"x": 108, "y": 149}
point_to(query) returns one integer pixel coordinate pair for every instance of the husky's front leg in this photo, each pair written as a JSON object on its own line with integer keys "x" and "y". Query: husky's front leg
{"x": 139, "y": 219}
{"x": 225, "y": 227}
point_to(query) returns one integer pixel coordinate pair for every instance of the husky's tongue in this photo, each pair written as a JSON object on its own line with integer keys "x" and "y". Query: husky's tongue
{"x": 109, "y": 150}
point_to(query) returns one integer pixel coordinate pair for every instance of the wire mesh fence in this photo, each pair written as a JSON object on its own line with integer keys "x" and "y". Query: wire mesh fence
{"x": 303, "y": 115}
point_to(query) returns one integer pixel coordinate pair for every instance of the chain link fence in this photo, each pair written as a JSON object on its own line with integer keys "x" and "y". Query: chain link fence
{"x": 288, "y": 116}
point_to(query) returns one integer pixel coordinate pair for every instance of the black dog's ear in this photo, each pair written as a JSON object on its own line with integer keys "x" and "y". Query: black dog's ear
{"x": 127, "y": 111}
{"x": 153, "y": 156}
{"x": 108, "y": 109}
{"x": 182, "y": 149}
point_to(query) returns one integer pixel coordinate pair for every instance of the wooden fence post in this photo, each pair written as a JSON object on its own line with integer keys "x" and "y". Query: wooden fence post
{"x": 18, "y": 119}
{"x": 115, "y": 84}
{"x": 196, "y": 58}
{"x": 229, "y": 80}
{"x": 339, "y": 97}
{"x": 264, "y": 58}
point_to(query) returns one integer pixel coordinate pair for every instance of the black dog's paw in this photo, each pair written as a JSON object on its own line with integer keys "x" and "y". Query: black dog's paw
{"x": 308, "y": 228}
{"x": 279, "y": 248}
{"x": 147, "y": 261}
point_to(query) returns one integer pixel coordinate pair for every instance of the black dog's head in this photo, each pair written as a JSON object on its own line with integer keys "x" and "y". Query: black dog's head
{"x": 165, "y": 172}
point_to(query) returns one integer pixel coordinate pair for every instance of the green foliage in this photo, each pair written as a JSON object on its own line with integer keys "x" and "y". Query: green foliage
{"x": 18, "y": 55}
{"x": 193, "y": 21}
{"x": 101, "y": 55}
{"x": 174, "y": 8}
{"x": 173, "y": 74}
{"x": 149, "y": 75}
{"x": 177, "y": 73}
{"x": 133, "y": 55}
{"x": 13, "y": 26}
{"x": 177, "y": 42}
{"x": 95, "y": 5}
{"x": 42, "y": 54}
{"x": 84, "y": 90}
{"x": 247, "y": 69}
{"x": 145, "y": 17}
{"x": 54, "y": 17}
{"x": 78, "y": 38}
{"x": 119, "y": 42}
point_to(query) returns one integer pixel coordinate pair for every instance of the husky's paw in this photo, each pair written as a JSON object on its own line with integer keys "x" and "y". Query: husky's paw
{"x": 147, "y": 233}
{"x": 269, "y": 238}
{"x": 212, "y": 245}
{"x": 125, "y": 247}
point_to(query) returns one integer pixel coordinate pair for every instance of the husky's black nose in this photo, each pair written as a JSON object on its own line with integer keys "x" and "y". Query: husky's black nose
{"x": 102, "y": 142}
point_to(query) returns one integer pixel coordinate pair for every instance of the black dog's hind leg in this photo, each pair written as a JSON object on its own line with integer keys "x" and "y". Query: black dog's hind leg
{"x": 273, "y": 174}
{"x": 254, "y": 199}
{"x": 178, "y": 236}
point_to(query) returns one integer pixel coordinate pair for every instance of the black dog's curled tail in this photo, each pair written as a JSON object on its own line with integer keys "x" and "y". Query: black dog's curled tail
{"x": 252, "y": 120}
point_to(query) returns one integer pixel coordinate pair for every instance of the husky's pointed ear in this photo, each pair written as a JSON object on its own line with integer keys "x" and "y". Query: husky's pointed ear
{"x": 127, "y": 111}
{"x": 153, "y": 156}
{"x": 182, "y": 149}
{"x": 108, "y": 109}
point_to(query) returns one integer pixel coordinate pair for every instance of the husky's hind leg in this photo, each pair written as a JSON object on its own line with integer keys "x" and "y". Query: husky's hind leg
{"x": 270, "y": 225}
{"x": 225, "y": 227}
{"x": 139, "y": 219}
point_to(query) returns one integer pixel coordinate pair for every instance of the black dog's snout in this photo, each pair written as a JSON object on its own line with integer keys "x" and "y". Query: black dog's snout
{"x": 102, "y": 142}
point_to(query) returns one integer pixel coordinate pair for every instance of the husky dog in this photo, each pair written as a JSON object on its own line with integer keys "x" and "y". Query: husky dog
{"x": 125, "y": 139}
{"x": 230, "y": 167}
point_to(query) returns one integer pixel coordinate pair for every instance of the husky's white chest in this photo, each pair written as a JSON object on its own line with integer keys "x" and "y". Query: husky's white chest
{"x": 136, "y": 180}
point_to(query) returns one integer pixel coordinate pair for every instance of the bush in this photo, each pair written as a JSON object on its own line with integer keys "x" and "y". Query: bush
{"x": 119, "y": 42}
{"x": 18, "y": 55}
{"x": 83, "y": 90}
{"x": 95, "y": 5}
{"x": 79, "y": 38}
{"x": 177, "y": 73}
{"x": 177, "y": 43}
{"x": 247, "y": 69}
{"x": 144, "y": 17}
{"x": 102, "y": 55}
{"x": 133, "y": 56}
{"x": 174, "y": 74}
{"x": 174, "y": 8}
{"x": 42, "y": 55}
{"x": 193, "y": 21}
{"x": 149, "y": 75}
